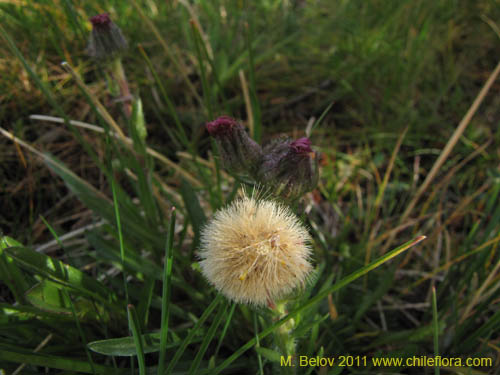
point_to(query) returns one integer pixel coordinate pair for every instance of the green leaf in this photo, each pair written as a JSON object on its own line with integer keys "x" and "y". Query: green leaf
{"x": 57, "y": 271}
{"x": 125, "y": 346}
{"x": 10, "y": 274}
{"x": 47, "y": 295}
{"x": 9, "y": 353}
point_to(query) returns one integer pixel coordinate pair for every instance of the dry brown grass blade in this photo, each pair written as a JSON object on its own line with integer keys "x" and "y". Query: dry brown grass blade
{"x": 446, "y": 180}
{"x": 248, "y": 104}
{"x": 447, "y": 265}
{"x": 452, "y": 141}
{"x": 102, "y": 110}
{"x": 19, "y": 141}
{"x": 460, "y": 208}
{"x": 477, "y": 295}
{"x": 40, "y": 346}
{"x": 127, "y": 141}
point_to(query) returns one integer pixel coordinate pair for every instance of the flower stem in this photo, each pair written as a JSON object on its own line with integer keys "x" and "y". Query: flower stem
{"x": 119, "y": 76}
{"x": 283, "y": 336}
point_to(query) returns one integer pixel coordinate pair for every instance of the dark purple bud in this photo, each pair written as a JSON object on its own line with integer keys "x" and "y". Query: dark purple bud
{"x": 301, "y": 146}
{"x": 289, "y": 168}
{"x": 221, "y": 126}
{"x": 101, "y": 21}
{"x": 106, "y": 40}
{"x": 239, "y": 153}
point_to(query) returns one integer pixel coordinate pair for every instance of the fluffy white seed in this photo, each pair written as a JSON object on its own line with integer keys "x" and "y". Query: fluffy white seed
{"x": 255, "y": 251}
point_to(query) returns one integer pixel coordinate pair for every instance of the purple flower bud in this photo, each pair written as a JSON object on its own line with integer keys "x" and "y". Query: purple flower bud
{"x": 301, "y": 146}
{"x": 106, "y": 40}
{"x": 239, "y": 153}
{"x": 289, "y": 168}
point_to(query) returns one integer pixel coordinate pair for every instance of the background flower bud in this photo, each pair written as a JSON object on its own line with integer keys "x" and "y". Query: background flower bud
{"x": 106, "y": 40}
{"x": 289, "y": 168}
{"x": 239, "y": 153}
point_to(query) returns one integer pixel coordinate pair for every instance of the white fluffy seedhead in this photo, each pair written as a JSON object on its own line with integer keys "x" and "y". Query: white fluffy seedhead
{"x": 255, "y": 251}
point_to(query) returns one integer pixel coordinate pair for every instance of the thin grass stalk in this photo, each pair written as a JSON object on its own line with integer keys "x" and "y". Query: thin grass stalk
{"x": 253, "y": 86}
{"x": 319, "y": 120}
{"x": 248, "y": 103}
{"x": 435, "y": 325}
{"x": 207, "y": 97}
{"x": 224, "y": 329}
{"x": 120, "y": 238}
{"x": 257, "y": 342}
{"x": 192, "y": 333}
{"x": 208, "y": 339}
{"x": 80, "y": 330}
{"x": 166, "y": 292}
{"x": 136, "y": 333}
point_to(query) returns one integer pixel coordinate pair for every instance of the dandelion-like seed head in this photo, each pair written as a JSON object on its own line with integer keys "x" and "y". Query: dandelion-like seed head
{"x": 255, "y": 251}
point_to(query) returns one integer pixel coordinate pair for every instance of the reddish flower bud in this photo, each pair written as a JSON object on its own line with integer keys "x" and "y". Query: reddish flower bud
{"x": 106, "y": 40}
{"x": 239, "y": 153}
{"x": 301, "y": 146}
{"x": 289, "y": 168}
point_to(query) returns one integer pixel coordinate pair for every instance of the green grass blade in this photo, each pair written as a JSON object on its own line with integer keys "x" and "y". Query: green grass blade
{"x": 18, "y": 355}
{"x": 136, "y": 332}
{"x": 207, "y": 339}
{"x": 126, "y": 347}
{"x": 435, "y": 325}
{"x": 192, "y": 333}
{"x": 224, "y": 329}
{"x": 257, "y": 343}
{"x": 120, "y": 237}
{"x": 80, "y": 330}
{"x": 257, "y": 118}
{"x": 166, "y": 292}
{"x": 207, "y": 94}
{"x": 41, "y": 264}
{"x": 194, "y": 210}
{"x": 145, "y": 302}
{"x": 320, "y": 119}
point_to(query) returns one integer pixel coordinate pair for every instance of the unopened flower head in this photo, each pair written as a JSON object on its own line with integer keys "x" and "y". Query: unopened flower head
{"x": 255, "y": 251}
{"x": 239, "y": 153}
{"x": 289, "y": 168}
{"x": 106, "y": 40}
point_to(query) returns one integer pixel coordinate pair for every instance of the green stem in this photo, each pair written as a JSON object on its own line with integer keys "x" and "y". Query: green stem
{"x": 283, "y": 336}
{"x": 121, "y": 79}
